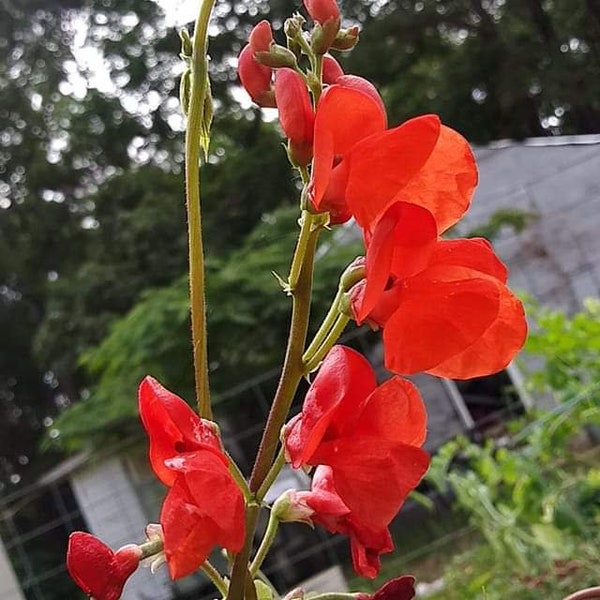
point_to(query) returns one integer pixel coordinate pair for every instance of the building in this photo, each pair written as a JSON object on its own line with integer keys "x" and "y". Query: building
{"x": 550, "y": 186}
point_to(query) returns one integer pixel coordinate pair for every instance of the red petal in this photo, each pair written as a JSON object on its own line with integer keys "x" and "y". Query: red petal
{"x": 334, "y": 401}
{"x": 343, "y": 117}
{"x": 382, "y": 164}
{"x": 496, "y": 346}
{"x": 395, "y": 412}
{"x": 446, "y": 183}
{"x": 261, "y": 36}
{"x": 399, "y": 588}
{"x": 173, "y": 427}
{"x": 188, "y": 536}
{"x": 255, "y": 78}
{"x": 401, "y": 245}
{"x": 474, "y": 253}
{"x": 332, "y": 70}
{"x": 295, "y": 109}
{"x": 373, "y": 476}
{"x": 353, "y": 82}
{"x": 437, "y": 319}
{"x": 224, "y": 505}
{"x": 366, "y": 552}
{"x": 93, "y": 567}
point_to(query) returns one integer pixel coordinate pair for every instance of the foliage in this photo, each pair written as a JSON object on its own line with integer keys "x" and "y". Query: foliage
{"x": 534, "y": 496}
{"x": 243, "y": 298}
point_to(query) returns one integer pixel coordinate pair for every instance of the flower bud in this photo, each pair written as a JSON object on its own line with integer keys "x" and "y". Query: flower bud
{"x": 261, "y": 37}
{"x": 296, "y": 115}
{"x": 256, "y": 78}
{"x": 276, "y": 57}
{"x": 323, "y": 35}
{"x": 290, "y": 506}
{"x": 96, "y": 569}
{"x": 332, "y": 70}
{"x": 322, "y": 11}
{"x": 293, "y": 26}
{"x": 346, "y": 39}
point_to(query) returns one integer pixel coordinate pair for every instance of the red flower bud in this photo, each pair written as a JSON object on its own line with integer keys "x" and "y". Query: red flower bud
{"x": 332, "y": 70}
{"x": 399, "y": 588}
{"x": 256, "y": 78}
{"x": 261, "y": 37}
{"x": 296, "y": 114}
{"x": 322, "y": 11}
{"x": 96, "y": 569}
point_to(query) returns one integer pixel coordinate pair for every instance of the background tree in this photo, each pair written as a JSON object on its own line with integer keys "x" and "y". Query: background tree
{"x": 92, "y": 242}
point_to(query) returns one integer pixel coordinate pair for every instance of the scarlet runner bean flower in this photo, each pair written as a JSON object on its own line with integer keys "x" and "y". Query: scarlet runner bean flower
{"x": 96, "y": 569}
{"x": 204, "y": 506}
{"x": 255, "y": 77}
{"x": 360, "y": 167}
{"x": 443, "y": 304}
{"x": 370, "y": 437}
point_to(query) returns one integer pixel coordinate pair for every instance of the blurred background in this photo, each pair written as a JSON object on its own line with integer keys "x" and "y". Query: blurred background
{"x": 93, "y": 289}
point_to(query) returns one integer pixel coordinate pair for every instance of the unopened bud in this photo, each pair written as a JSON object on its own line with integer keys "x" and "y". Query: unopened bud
{"x": 261, "y": 37}
{"x": 293, "y": 26}
{"x": 277, "y": 57}
{"x": 346, "y": 39}
{"x": 186, "y": 44}
{"x": 290, "y": 506}
{"x": 322, "y": 36}
{"x": 353, "y": 273}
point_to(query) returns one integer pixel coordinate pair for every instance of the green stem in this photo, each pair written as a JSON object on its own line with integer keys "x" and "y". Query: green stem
{"x": 271, "y": 475}
{"x": 325, "y": 328}
{"x": 298, "y": 259}
{"x": 249, "y": 587}
{"x": 265, "y": 545}
{"x": 239, "y": 478}
{"x": 291, "y": 374}
{"x": 151, "y": 548}
{"x": 293, "y": 367}
{"x": 240, "y": 564}
{"x": 198, "y": 65}
{"x": 209, "y": 570}
{"x": 332, "y": 337}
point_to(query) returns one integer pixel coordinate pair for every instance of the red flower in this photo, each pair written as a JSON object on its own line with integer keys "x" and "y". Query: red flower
{"x": 360, "y": 167}
{"x": 204, "y": 506}
{"x": 261, "y": 37}
{"x": 173, "y": 428}
{"x": 328, "y": 510}
{"x": 443, "y": 304}
{"x": 399, "y": 588}
{"x": 96, "y": 569}
{"x": 203, "y": 509}
{"x": 256, "y": 78}
{"x": 296, "y": 114}
{"x": 369, "y": 435}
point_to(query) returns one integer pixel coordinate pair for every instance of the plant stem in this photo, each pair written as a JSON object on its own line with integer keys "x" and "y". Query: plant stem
{"x": 293, "y": 367}
{"x": 271, "y": 475}
{"x": 291, "y": 374}
{"x": 240, "y": 564}
{"x": 239, "y": 478}
{"x": 209, "y": 570}
{"x": 332, "y": 337}
{"x": 325, "y": 328}
{"x": 298, "y": 259}
{"x": 198, "y": 66}
{"x": 266, "y": 544}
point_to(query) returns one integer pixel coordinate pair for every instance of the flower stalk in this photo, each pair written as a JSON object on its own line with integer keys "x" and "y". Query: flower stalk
{"x": 193, "y": 140}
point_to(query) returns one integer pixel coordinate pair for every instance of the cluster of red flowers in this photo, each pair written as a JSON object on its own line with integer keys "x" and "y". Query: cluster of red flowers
{"x": 443, "y": 306}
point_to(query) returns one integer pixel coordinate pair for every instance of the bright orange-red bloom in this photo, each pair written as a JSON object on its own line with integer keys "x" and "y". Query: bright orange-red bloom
{"x": 296, "y": 114}
{"x": 96, "y": 569}
{"x": 360, "y": 167}
{"x": 326, "y": 508}
{"x": 369, "y": 435}
{"x": 443, "y": 304}
{"x": 204, "y": 506}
